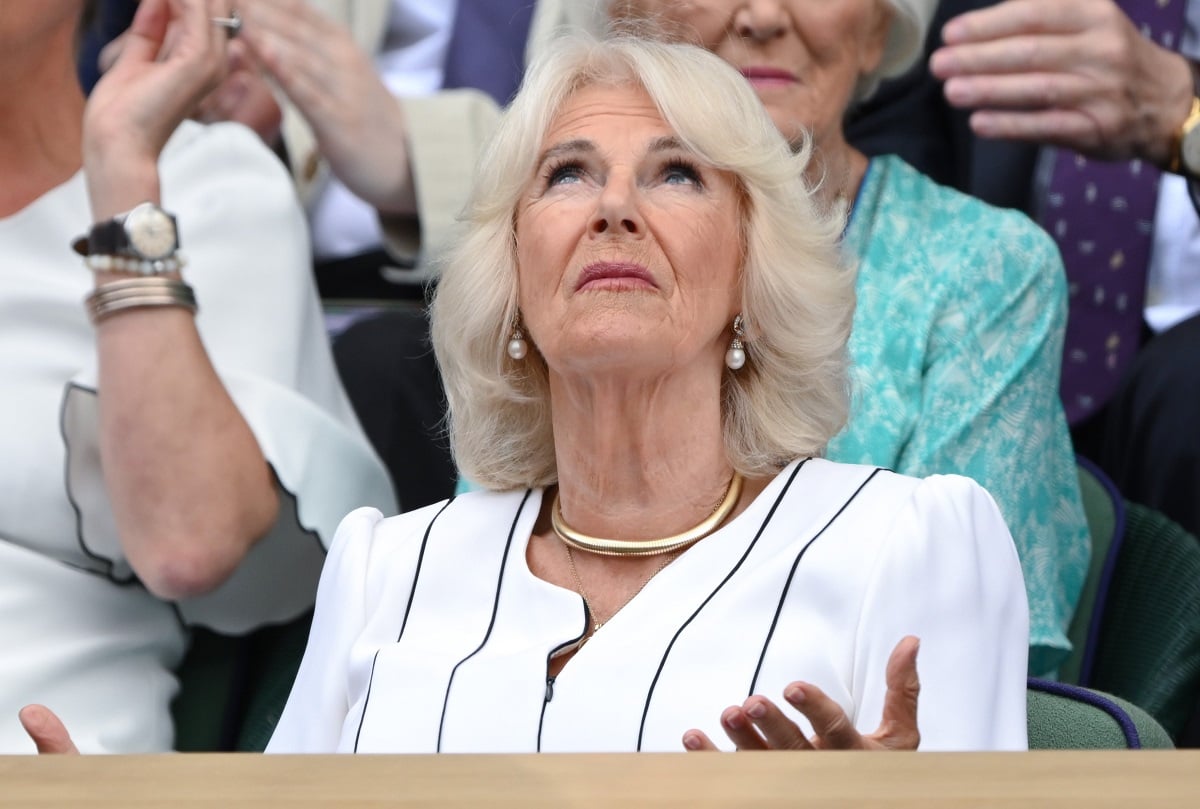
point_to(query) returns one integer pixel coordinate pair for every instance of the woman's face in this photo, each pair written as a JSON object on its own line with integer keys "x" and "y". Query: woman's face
{"x": 628, "y": 246}
{"x": 803, "y": 57}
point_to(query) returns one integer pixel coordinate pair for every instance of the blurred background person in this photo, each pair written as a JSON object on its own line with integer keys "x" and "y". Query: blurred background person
{"x": 1085, "y": 114}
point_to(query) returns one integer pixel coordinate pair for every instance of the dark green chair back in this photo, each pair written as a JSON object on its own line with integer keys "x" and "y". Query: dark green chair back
{"x": 278, "y": 652}
{"x": 232, "y": 689}
{"x": 1067, "y": 717}
{"x": 1105, "y": 512}
{"x": 1136, "y": 630}
{"x": 1148, "y": 647}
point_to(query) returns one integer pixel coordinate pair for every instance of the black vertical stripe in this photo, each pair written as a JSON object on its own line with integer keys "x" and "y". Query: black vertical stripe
{"x": 362, "y": 717}
{"x": 407, "y": 611}
{"x": 667, "y": 652}
{"x": 787, "y": 585}
{"x": 412, "y": 591}
{"x": 495, "y": 606}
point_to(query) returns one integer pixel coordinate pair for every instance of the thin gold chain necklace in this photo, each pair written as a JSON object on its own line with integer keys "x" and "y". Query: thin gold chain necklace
{"x": 647, "y": 547}
{"x": 587, "y": 602}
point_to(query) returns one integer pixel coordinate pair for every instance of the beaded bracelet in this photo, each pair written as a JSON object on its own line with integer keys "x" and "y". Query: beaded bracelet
{"x": 139, "y": 293}
{"x": 104, "y": 263}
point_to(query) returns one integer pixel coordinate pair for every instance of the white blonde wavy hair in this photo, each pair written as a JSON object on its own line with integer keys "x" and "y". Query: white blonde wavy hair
{"x": 789, "y": 399}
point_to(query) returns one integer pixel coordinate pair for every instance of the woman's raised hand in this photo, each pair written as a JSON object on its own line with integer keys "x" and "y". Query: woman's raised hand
{"x": 759, "y": 724}
{"x": 171, "y": 58}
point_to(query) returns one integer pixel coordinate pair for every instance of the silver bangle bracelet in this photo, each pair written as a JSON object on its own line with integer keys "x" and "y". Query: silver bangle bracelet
{"x": 139, "y": 293}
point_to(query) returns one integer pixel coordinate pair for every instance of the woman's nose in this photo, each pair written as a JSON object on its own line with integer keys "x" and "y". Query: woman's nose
{"x": 760, "y": 20}
{"x": 617, "y": 211}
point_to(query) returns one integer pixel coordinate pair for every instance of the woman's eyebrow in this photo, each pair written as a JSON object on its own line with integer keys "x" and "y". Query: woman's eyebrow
{"x": 566, "y": 147}
{"x": 667, "y": 143}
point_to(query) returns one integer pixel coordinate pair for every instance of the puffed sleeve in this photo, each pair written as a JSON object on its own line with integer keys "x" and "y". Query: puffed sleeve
{"x": 948, "y": 573}
{"x": 318, "y": 705}
{"x": 246, "y": 243}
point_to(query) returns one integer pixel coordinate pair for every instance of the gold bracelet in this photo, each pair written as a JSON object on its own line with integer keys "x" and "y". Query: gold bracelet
{"x": 139, "y": 293}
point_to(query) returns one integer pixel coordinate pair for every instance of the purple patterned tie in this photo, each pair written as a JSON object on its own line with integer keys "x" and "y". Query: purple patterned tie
{"x": 1102, "y": 216}
{"x": 487, "y": 46}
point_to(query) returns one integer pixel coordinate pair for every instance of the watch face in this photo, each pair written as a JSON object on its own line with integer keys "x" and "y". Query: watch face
{"x": 151, "y": 232}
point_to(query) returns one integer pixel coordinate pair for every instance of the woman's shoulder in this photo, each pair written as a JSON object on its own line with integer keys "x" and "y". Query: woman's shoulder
{"x": 465, "y": 511}
{"x": 369, "y": 550}
{"x": 883, "y": 493}
{"x": 949, "y": 220}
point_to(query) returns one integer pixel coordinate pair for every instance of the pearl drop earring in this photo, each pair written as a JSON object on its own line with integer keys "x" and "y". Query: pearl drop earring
{"x": 735, "y": 357}
{"x": 517, "y": 347}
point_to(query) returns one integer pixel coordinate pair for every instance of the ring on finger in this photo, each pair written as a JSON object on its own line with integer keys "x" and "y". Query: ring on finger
{"x": 232, "y": 24}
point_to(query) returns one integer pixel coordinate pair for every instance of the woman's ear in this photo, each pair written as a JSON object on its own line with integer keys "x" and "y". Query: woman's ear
{"x": 876, "y": 28}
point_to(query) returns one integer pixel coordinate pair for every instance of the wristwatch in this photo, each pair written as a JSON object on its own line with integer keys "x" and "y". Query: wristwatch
{"x": 147, "y": 232}
{"x": 144, "y": 240}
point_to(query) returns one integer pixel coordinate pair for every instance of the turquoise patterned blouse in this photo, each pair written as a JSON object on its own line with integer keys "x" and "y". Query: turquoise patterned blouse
{"x": 957, "y": 344}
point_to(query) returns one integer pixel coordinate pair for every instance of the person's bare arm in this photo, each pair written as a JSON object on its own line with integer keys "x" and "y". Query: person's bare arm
{"x": 190, "y": 489}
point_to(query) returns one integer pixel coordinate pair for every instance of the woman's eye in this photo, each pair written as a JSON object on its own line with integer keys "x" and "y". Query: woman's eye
{"x": 564, "y": 174}
{"x": 676, "y": 173}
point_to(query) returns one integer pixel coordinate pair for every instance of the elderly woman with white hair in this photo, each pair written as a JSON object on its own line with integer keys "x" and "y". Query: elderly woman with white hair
{"x": 643, "y": 335}
{"x": 957, "y": 338}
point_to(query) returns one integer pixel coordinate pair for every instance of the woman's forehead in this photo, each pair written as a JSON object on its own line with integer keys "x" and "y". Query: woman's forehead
{"x": 607, "y": 110}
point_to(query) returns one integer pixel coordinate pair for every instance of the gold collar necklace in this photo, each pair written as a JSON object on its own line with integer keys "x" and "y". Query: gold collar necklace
{"x": 648, "y": 547}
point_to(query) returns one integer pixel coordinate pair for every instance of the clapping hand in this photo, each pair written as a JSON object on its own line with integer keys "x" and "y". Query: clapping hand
{"x": 171, "y": 57}
{"x": 759, "y": 724}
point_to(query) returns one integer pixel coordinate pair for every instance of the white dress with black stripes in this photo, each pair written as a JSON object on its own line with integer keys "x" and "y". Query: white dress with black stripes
{"x": 431, "y": 633}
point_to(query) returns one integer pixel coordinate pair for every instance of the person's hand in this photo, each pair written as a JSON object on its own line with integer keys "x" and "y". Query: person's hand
{"x": 244, "y": 97}
{"x": 46, "y": 729}
{"x": 171, "y": 57}
{"x": 1073, "y": 73}
{"x": 759, "y": 724}
{"x": 359, "y": 126}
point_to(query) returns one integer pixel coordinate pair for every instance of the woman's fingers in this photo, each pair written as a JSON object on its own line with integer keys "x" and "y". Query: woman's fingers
{"x": 759, "y": 724}
{"x": 697, "y": 740}
{"x": 48, "y": 732}
{"x": 740, "y": 729}
{"x": 779, "y": 732}
{"x": 142, "y": 42}
{"x": 831, "y": 727}
{"x": 898, "y": 730}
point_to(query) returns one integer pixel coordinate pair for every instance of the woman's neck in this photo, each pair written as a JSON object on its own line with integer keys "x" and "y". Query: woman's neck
{"x": 639, "y": 459}
{"x": 41, "y": 120}
{"x": 836, "y": 170}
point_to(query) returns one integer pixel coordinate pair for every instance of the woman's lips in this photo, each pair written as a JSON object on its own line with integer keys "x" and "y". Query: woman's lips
{"x": 768, "y": 76}
{"x": 615, "y": 275}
